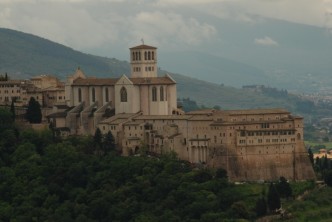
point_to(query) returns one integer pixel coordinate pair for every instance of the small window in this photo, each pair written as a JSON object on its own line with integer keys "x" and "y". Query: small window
{"x": 106, "y": 95}
{"x": 161, "y": 93}
{"x": 154, "y": 94}
{"x": 123, "y": 94}
{"x": 93, "y": 95}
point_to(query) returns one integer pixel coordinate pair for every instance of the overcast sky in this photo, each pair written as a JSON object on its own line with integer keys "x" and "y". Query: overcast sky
{"x": 93, "y": 25}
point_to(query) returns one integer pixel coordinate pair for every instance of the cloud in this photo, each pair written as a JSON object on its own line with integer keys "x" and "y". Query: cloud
{"x": 90, "y": 24}
{"x": 164, "y": 27}
{"x": 266, "y": 41}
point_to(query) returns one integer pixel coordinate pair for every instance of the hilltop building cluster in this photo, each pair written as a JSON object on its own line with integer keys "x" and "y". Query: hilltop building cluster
{"x": 46, "y": 89}
{"x": 141, "y": 111}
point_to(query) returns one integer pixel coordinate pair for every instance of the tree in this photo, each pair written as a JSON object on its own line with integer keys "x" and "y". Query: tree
{"x": 108, "y": 142}
{"x": 261, "y": 208}
{"x": 328, "y": 177}
{"x": 33, "y": 114}
{"x": 273, "y": 198}
{"x": 261, "y": 205}
{"x": 221, "y": 173}
{"x": 97, "y": 139}
{"x": 5, "y": 119}
{"x": 283, "y": 187}
{"x": 12, "y": 109}
{"x": 240, "y": 210}
{"x": 311, "y": 156}
{"x": 324, "y": 163}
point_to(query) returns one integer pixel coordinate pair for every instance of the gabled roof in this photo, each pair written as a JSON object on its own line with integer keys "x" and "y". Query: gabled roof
{"x": 253, "y": 111}
{"x": 143, "y": 47}
{"x": 94, "y": 81}
{"x": 165, "y": 80}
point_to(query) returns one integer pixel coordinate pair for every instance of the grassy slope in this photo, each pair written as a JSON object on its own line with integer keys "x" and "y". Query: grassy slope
{"x": 30, "y": 55}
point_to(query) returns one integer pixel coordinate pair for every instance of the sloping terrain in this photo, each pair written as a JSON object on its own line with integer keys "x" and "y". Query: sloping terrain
{"x": 25, "y": 55}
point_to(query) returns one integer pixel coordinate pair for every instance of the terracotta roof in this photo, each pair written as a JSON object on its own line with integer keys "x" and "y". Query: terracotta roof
{"x": 53, "y": 88}
{"x": 143, "y": 47}
{"x": 174, "y": 135}
{"x": 10, "y": 82}
{"x": 162, "y": 117}
{"x": 94, "y": 81}
{"x": 58, "y": 114}
{"x": 253, "y": 111}
{"x": 134, "y": 123}
{"x": 61, "y": 106}
{"x": 201, "y": 118}
{"x": 201, "y": 112}
{"x": 224, "y": 123}
{"x": 122, "y": 117}
{"x": 111, "y": 81}
{"x": 165, "y": 80}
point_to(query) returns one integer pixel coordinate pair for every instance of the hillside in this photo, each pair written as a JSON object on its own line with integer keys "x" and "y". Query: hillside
{"x": 28, "y": 55}
{"x": 291, "y": 55}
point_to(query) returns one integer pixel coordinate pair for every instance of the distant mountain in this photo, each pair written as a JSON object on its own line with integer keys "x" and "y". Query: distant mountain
{"x": 25, "y": 55}
{"x": 261, "y": 50}
{"x": 214, "y": 68}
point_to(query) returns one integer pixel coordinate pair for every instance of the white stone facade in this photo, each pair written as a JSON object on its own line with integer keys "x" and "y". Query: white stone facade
{"x": 141, "y": 113}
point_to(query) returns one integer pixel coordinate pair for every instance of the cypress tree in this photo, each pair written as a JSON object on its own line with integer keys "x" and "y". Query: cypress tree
{"x": 311, "y": 156}
{"x": 97, "y": 140}
{"x": 12, "y": 110}
{"x": 108, "y": 142}
{"x": 273, "y": 198}
{"x": 261, "y": 208}
{"x": 33, "y": 114}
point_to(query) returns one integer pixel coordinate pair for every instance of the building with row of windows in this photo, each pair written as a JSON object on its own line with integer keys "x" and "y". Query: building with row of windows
{"x": 250, "y": 144}
{"x": 46, "y": 89}
{"x": 141, "y": 112}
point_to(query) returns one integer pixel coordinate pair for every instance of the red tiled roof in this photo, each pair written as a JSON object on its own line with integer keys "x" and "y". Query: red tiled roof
{"x": 94, "y": 81}
{"x": 136, "y": 81}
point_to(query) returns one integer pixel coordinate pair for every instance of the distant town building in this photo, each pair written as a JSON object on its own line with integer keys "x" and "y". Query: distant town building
{"x": 47, "y": 90}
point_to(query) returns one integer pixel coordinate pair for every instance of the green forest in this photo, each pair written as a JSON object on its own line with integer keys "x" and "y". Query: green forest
{"x": 84, "y": 178}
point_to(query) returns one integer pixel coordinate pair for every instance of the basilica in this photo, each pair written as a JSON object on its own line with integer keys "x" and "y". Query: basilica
{"x": 141, "y": 112}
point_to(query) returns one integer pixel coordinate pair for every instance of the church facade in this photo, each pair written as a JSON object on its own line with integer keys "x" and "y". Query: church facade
{"x": 141, "y": 112}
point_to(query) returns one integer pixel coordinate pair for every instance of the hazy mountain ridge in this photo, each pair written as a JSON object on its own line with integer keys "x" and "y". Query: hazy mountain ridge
{"x": 290, "y": 55}
{"x": 28, "y": 55}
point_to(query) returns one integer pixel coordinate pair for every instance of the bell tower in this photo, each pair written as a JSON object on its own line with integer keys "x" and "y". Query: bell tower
{"x": 143, "y": 61}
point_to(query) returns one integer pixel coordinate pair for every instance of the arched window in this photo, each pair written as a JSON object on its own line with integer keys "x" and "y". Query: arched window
{"x": 154, "y": 94}
{"x": 161, "y": 93}
{"x": 123, "y": 94}
{"x": 152, "y": 55}
{"x": 139, "y": 56}
{"x": 93, "y": 94}
{"x": 149, "y": 55}
{"x": 107, "y": 99}
{"x": 79, "y": 95}
{"x": 134, "y": 58}
{"x": 145, "y": 56}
